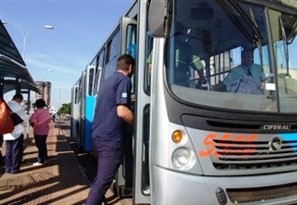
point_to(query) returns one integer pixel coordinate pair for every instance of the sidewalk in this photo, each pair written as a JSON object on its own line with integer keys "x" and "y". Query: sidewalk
{"x": 61, "y": 181}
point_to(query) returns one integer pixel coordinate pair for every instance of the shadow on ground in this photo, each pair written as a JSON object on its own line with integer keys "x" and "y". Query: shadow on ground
{"x": 87, "y": 161}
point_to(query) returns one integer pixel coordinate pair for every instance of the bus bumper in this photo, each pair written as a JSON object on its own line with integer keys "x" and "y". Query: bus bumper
{"x": 175, "y": 188}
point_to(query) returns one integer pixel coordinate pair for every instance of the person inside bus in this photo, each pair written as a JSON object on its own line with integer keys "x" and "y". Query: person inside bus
{"x": 247, "y": 77}
{"x": 112, "y": 114}
{"x": 185, "y": 58}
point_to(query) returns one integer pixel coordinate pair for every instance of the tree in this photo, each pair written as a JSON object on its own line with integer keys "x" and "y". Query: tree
{"x": 65, "y": 109}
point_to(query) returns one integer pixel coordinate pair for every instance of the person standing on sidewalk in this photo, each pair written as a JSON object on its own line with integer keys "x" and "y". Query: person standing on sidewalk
{"x": 40, "y": 120}
{"x": 112, "y": 115}
{"x": 14, "y": 141}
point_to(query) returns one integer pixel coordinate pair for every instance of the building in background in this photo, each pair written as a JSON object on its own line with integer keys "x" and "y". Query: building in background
{"x": 44, "y": 88}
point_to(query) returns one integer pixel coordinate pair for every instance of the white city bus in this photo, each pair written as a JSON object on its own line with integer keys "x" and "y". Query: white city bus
{"x": 194, "y": 143}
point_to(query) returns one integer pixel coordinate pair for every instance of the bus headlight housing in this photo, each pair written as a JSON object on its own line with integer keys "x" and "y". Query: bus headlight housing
{"x": 183, "y": 158}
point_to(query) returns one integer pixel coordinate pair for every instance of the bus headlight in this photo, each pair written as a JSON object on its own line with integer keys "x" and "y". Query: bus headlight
{"x": 183, "y": 158}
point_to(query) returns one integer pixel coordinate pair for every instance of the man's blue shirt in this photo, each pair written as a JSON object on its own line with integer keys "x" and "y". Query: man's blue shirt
{"x": 107, "y": 125}
{"x": 240, "y": 71}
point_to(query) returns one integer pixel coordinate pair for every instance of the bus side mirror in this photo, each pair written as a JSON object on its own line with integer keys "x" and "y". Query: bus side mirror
{"x": 160, "y": 18}
{"x": 202, "y": 12}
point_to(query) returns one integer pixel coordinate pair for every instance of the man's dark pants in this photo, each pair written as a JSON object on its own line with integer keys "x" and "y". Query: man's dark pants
{"x": 110, "y": 156}
{"x": 13, "y": 154}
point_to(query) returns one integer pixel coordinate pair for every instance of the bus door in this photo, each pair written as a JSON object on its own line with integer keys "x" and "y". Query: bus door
{"x": 141, "y": 194}
{"x": 89, "y": 106}
{"x": 74, "y": 111}
{"x": 80, "y": 138}
{"x": 128, "y": 30}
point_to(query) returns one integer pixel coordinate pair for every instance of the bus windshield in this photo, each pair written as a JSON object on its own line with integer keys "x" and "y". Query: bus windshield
{"x": 233, "y": 54}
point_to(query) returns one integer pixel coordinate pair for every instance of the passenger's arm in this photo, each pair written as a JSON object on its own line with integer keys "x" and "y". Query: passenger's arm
{"x": 19, "y": 110}
{"x": 22, "y": 113}
{"x": 125, "y": 113}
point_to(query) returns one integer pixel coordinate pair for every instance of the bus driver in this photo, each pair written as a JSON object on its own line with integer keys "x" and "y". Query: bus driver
{"x": 244, "y": 78}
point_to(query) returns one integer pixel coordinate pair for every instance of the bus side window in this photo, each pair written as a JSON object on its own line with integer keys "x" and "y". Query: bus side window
{"x": 132, "y": 50}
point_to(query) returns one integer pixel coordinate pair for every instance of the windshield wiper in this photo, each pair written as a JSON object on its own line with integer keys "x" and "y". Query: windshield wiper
{"x": 234, "y": 19}
{"x": 285, "y": 43}
{"x": 292, "y": 34}
{"x": 249, "y": 20}
{"x": 258, "y": 41}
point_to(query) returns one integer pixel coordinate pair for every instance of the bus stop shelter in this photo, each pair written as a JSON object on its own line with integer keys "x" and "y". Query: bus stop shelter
{"x": 13, "y": 72}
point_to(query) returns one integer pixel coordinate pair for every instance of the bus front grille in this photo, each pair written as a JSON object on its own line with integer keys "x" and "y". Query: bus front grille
{"x": 261, "y": 194}
{"x": 256, "y": 154}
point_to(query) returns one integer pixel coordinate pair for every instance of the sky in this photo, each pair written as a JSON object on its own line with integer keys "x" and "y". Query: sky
{"x": 60, "y": 55}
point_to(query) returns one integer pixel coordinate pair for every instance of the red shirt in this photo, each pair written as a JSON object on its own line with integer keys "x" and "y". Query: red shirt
{"x": 40, "y": 120}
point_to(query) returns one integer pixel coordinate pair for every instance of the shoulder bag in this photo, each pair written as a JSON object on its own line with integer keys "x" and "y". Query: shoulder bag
{"x": 6, "y": 122}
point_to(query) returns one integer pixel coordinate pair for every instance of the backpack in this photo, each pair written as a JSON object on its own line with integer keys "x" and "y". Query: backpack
{"x": 6, "y": 122}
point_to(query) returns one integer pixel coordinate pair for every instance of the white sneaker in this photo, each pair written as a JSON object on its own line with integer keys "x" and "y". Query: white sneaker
{"x": 37, "y": 164}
